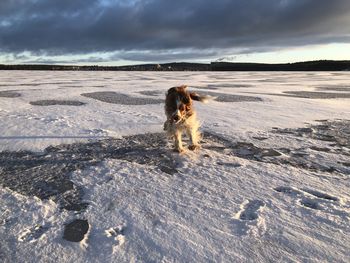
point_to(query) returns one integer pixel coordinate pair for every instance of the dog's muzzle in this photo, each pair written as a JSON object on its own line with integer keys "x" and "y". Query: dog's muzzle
{"x": 176, "y": 118}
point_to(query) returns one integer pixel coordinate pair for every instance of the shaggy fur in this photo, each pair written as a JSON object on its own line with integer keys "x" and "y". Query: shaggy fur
{"x": 181, "y": 116}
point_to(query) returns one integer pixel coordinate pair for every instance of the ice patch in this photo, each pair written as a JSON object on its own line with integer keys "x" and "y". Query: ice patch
{"x": 9, "y": 94}
{"x": 120, "y": 98}
{"x": 57, "y": 102}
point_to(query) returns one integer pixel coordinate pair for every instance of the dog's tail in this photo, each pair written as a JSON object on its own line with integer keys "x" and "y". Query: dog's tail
{"x": 201, "y": 98}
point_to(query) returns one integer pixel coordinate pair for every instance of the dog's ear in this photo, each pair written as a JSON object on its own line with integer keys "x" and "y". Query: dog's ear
{"x": 172, "y": 90}
{"x": 177, "y": 89}
{"x": 195, "y": 96}
{"x": 181, "y": 88}
{"x": 203, "y": 99}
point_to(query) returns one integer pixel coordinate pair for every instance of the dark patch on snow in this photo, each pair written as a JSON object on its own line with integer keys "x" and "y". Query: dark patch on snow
{"x": 120, "y": 98}
{"x": 301, "y": 196}
{"x": 124, "y": 99}
{"x": 34, "y": 233}
{"x": 260, "y": 138}
{"x": 287, "y": 190}
{"x": 56, "y": 83}
{"x": 226, "y": 85}
{"x": 57, "y": 102}
{"x": 316, "y": 95}
{"x": 321, "y": 195}
{"x": 337, "y": 132}
{"x": 22, "y": 84}
{"x": 223, "y": 97}
{"x": 320, "y": 149}
{"x": 116, "y": 231}
{"x": 309, "y": 203}
{"x": 153, "y": 93}
{"x": 347, "y": 164}
{"x": 299, "y": 154}
{"x": 9, "y": 94}
{"x": 47, "y": 175}
{"x": 244, "y": 150}
{"x": 251, "y": 209}
{"x": 168, "y": 169}
{"x": 272, "y": 80}
{"x": 209, "y": 87}
{"x": 233, "y": 165}
{"x": 71, "y": 86}
{"x": 335, "y": 88}
{"x": 38, "y": 84}
{"x": 76, "y": 230}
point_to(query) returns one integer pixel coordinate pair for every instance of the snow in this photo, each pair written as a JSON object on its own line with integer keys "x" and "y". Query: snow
{"x": 271, "y": 182}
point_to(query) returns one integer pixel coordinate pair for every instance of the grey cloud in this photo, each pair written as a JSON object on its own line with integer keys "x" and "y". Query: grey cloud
{"x": 59, "y": 27}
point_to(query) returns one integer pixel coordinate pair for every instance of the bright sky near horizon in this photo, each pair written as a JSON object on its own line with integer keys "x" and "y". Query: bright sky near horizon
{"x": 117, "y": 32}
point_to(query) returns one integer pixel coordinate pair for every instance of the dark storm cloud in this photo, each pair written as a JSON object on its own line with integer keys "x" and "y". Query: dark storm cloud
{"x": 59, "y": 27}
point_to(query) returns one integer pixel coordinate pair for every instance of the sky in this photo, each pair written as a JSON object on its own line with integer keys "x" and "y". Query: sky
{"x": 120, "y": 32}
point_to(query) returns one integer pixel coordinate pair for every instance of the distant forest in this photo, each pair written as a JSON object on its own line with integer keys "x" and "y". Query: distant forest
{"x": 320, "y": 65}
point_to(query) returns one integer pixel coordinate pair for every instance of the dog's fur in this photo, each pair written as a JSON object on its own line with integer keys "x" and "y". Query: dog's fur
{"x": 181, "y": 116}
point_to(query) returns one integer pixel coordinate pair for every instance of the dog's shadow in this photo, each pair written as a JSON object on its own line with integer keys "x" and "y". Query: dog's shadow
{"x": 47, "y": 175}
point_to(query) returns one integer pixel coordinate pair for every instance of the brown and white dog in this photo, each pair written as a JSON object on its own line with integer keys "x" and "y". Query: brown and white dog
{"x": 181, "y": 116}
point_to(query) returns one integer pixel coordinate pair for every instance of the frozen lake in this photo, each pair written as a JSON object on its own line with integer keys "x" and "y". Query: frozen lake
{"x": 86, "y": 173}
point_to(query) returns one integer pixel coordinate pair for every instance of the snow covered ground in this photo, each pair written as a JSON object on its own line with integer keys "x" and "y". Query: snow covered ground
{"x": 87, "y": 175}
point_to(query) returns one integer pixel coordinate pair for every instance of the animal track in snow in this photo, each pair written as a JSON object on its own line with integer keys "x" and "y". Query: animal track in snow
{"x": 76, "y": 230}
{"x": 118, "y": 233}
{"x": 321, "y": 195}
{"x": 250, "y": 210}
{"x": 62, "y": 120}
{"x": 287, "y": 190}
{"x": 310, "y": 203}
{"x": 147, "y": 115}
{"x": 315, "y": 200}
{"x": 32, "y": 234}
{"x": 248, "y": 219}
{"x": 119, "y": 230}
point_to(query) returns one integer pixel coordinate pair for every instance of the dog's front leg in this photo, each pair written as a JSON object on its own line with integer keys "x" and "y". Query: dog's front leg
{"x": 178, "y": 142}
{"x": 194, "y": 137}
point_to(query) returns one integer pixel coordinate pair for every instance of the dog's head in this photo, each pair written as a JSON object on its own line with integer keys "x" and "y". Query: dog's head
{"x": 178, "y": 103}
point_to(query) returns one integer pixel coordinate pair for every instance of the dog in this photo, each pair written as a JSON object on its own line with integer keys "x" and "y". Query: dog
{"x": 181, "y": 116}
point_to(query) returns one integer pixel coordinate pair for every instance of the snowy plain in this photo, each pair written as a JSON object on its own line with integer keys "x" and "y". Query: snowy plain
{"x": 270, "y": 184}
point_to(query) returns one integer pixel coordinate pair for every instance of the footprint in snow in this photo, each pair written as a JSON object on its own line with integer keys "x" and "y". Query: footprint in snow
{"x": 250, "y": 210}
{"x": 287, "y": 190}
{"x": 119, "y": 230}
{"x": 32, "y": 234}
{"x": 249, "y": 220}
{"x": 314, "y": 199}
{"x": 310, "y": 203}
{"x": 321, "y": 195}
{"x": 76, "y": 230}
{"x": 118, "y": 234}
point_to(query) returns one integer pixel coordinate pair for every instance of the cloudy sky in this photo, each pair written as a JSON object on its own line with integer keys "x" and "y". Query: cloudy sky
{"x": 115, "y": 32}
